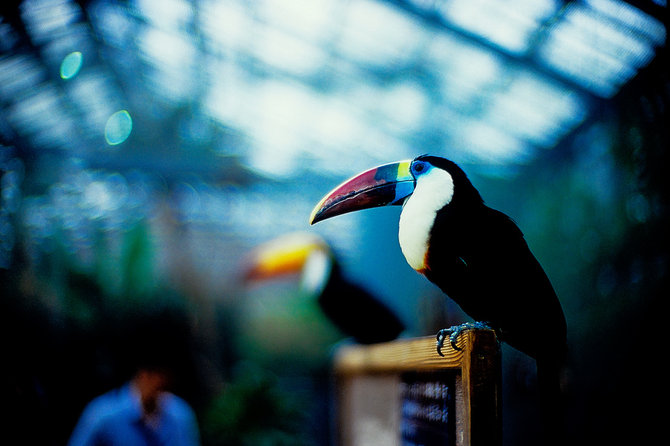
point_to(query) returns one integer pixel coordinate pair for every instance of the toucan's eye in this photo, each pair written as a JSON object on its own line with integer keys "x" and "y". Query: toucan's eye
{"x": 419, "y": 167}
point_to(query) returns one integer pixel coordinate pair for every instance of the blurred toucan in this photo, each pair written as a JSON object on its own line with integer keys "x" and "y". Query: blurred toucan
{"x": 475, "y": 254}
{"x": 352, "y": 309}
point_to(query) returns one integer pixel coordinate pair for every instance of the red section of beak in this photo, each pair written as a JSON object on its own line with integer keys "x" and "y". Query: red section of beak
{"x": 380, "y": 186}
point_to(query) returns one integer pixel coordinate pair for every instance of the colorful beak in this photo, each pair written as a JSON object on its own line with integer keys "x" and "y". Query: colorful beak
{"x": 385, "y": 185}
{"x": 282, "y": 256}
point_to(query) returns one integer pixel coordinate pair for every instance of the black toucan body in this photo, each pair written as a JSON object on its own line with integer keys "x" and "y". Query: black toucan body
{"x": 356, "y": 312}
{"x": 475, "y": 254}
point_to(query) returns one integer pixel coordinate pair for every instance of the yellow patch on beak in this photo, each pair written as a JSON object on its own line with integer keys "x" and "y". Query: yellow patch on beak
{"x": 283, "y": 256}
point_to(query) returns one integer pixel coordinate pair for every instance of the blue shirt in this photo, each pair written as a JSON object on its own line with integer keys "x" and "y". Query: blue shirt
{"x": 116, "y": 418}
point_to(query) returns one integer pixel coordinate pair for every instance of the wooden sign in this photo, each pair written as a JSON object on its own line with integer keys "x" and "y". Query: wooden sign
{"x": 404, "y": 393}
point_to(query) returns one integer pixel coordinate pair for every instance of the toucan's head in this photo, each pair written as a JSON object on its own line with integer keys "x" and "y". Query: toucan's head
{"x": 351, "y": 308}
{"x": 424, "y": 186}
{"x": 285, "y": 323}
{"x": 296, "y": 254}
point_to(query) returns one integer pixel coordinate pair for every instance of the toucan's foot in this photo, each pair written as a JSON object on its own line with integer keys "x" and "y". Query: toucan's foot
{"x": 453, "y": 332}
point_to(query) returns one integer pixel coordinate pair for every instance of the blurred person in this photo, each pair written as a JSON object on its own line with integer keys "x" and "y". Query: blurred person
{"x": 141, "y": 412}
{"x": 144, "y": 411}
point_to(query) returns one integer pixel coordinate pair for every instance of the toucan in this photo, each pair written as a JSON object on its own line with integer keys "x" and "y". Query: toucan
{"x": 475, "y": 254}
{"x": 355, "y": 311}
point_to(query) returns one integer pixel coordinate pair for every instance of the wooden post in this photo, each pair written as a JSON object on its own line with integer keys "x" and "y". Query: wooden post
{"x": 377, "y": 385}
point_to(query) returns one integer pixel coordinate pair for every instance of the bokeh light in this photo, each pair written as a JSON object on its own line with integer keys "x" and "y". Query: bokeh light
{"x": 71, "y": 65}
{"x": 118, "y": 127}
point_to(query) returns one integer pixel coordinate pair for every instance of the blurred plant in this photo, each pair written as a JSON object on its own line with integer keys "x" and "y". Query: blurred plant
{"x": 254, "y": 410}
{"x": 11, "y": 177}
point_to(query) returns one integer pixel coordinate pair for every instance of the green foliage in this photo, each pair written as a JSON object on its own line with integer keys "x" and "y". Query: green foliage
{"x": 125, "y": 263}
{"x": 254, "y": 410}
{"x": 137, "y": 263}
{"x": 283, "y": 328}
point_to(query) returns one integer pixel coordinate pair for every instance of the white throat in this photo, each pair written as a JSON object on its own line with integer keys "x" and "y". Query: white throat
{"x": 433, "y": 191}
{"x": 316, "y": 272}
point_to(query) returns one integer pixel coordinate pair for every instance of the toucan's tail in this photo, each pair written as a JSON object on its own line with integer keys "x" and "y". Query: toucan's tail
{"x": 552, "y": 404}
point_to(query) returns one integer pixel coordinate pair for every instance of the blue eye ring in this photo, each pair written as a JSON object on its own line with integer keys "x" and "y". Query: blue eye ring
{"x": 419, "y": 167}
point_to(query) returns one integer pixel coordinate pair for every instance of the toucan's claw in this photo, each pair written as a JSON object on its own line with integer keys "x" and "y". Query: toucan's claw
{"x": 453, "y": 333}
{"x": 442, "y": 335}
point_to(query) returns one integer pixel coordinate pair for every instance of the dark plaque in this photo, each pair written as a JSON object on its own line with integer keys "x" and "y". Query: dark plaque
{"x": 427, "y": 408}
